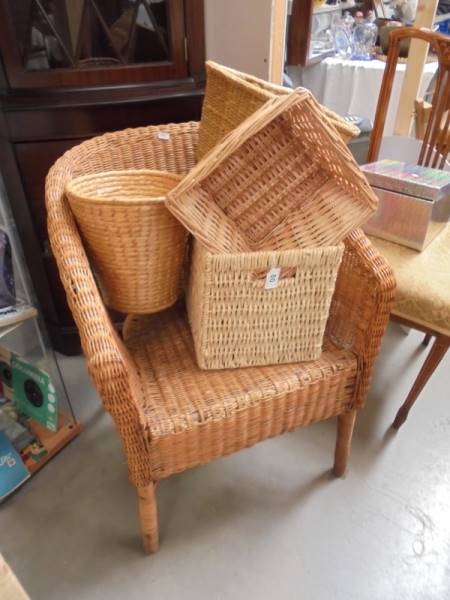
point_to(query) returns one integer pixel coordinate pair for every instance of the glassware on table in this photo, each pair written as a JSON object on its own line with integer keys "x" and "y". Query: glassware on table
{"x": 341, "y": 32}
{"x": 364, "y": 36}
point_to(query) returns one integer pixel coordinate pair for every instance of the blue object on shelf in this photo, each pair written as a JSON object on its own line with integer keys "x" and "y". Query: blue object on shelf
{"x": 7, "y": 286}
{"x": 12, "y": 470}
{"x": 444, "y": 25}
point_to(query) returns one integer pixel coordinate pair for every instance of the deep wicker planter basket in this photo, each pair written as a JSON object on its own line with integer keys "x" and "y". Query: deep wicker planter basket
{"x": 232, "y": 96}
{"x": 282, "y": 179}
{"x": 135, "y": 245}
{"x": 237, "y": 322}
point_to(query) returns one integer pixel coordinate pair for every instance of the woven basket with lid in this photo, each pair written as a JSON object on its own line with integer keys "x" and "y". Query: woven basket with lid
{"x": 232, "y": 96}
{"x": 135, "y": 245}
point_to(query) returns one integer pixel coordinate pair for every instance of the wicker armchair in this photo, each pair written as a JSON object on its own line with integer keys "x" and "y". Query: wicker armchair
{"x": 171, "y": 415}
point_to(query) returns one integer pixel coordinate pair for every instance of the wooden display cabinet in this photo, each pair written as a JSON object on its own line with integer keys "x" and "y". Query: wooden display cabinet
{"x": 72, "y": 69}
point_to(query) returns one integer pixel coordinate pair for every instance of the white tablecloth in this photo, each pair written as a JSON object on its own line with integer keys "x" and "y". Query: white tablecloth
{"x": 351, "y": 87}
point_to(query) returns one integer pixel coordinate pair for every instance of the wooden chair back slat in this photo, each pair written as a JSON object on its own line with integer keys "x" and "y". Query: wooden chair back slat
{"x": 435, "y": 146}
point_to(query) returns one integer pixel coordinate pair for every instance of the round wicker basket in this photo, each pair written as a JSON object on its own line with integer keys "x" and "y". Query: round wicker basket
{"x": 135, "y": 245}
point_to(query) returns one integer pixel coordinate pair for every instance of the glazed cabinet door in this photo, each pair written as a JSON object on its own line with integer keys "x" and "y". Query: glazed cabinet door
{"x": 47, "y": 43}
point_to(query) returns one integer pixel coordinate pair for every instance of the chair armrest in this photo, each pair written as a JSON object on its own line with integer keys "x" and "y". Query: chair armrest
{"x": 109, "y": 363}
{"x": 361, "y": 306}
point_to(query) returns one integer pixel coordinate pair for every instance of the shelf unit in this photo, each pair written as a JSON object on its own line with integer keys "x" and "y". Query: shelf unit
{"x": 300, "y": 29}
{"x": 25, "y": 336}
{"x": 326, "y": 8}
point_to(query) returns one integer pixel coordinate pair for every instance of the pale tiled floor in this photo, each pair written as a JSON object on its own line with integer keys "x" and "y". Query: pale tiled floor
{"x": 265, "y": 523}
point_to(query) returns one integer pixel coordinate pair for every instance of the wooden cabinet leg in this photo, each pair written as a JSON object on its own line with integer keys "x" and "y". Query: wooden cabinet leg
{"x": 345, "y": 425}
{"x": 433, "y": 359}
{"x": 149, "y": 518}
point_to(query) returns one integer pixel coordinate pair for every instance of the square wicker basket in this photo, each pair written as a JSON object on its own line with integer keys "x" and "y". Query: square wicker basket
{"x": 237, "y": 322}
{"x": 232, "y": 96}
{"x": 282, "y": 179}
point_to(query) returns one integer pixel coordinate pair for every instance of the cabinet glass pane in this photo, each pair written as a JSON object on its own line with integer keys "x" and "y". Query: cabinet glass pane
{"x": 83, "y": 34}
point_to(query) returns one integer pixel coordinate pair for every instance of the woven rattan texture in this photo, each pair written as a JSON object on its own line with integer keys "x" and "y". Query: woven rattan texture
{"x": 110, "y": 365}
{"x": 125, "y": 380}
{"x": 232, "y": 96}
{"x": 194, "y": 416}
{"x": 361, "y": 305}
{"x": 283, "y": 179}
{"x": 134, "y": 243}
{"x": 237, "y": 322}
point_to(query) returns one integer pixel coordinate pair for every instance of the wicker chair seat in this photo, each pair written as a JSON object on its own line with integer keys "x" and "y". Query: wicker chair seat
{"x": 214, "y": 413}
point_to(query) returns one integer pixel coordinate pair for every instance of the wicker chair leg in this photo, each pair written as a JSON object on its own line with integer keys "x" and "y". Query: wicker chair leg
{"x": 345, "y": 425}
{"x": 149, "y": 518}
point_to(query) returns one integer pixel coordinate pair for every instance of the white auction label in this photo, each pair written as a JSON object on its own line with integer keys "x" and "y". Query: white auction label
{"x": 272, "y": 278}
{"x": 164, "y": 135}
